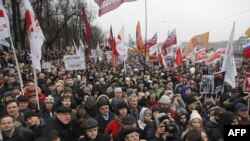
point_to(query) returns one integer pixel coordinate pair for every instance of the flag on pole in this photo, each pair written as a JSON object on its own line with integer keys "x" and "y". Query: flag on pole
{"x": 131, "y": 43}
{"x": 248, "y": 32}
{"x": 109, "y": 5}
{"x": 171, "y": 40}
{"x": 200, "y": 56}
{"x": 214, "y": 57}
{"x": 86, "y": 28}
{"x": 121, "y": 46}
{"x": 201, "y": 40}
{"x": 112, "y": 43}
{"x": 152, "y": 41}
{"x": 246, "y": 51}
{"x": 178, "y": 57}
{"x": 4, "y": 23}
{"x": 139, "y": 37}
{"x": 35, "y": 33}
{"x": 228, "y": 64}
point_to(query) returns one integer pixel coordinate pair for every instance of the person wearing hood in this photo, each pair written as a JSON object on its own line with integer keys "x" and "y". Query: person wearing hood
{"x": 225, "y": 118}
{"x": 90, "y": 106}
{"x": 145, "y": 117}
{"x": 91, "y": 131}
{"x": 186, "y": 91}
{"x": 182, "y": 118}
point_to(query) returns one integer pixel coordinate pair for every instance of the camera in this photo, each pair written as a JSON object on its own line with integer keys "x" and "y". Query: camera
{"x": 169, "y": 128}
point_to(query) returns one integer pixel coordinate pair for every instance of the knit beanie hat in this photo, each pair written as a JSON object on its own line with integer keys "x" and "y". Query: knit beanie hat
{"x": 101, "y": 102}
{"x": 195, "y": 115}
{"x": 164, "y": 100}
{"x": 129, "y": 119}
{"x": 30, "y": 114}
{"x": 227, "y": 117}
{"x": 191, "y": 100}
{"x": 49, "y": 98}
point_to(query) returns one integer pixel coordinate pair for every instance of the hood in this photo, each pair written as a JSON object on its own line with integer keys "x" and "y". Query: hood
{"x": 142, "y": 113}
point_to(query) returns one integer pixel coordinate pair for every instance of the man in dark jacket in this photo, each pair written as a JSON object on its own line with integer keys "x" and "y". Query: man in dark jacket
{"x": 92, "y": 134}
{"x": 12, "y": 133}
{"x": 61, "y": 124}
{"x": 104, "y": 116}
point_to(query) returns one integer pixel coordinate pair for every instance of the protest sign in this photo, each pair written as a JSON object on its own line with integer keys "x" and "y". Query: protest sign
{"x": 74, "y": 62}
{"x": 207, "y": 84}
{"x": 218, "y": 81}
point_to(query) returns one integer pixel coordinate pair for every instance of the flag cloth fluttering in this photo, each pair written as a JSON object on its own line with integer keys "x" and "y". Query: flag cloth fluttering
{"x": 106, "y": 6}
{"x": 171, "y": 40}
{"x": 139, "y": 42}
{"x": 178, "y": 57}
{"x": 4, "y": 23}
{"x": 112, "y": 43}
{"x": 246, "y": 51}
{"x": 228, "y": 64}
{"x": 35, "y": 33}
{"x": 201, "y": 40}
{"x": 151, "y": 42}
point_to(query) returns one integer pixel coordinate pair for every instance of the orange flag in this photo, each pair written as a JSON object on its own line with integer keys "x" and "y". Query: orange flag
{"x": 248, "y": 32}
{"x": 201, "y": 39}
{"x": 138, "y": 37}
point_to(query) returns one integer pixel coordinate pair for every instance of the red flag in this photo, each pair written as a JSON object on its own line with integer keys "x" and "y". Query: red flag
{"x": 151, "y": 42}
{"x": 86, "y": 28}
{"x": 109, "y": 5}
{"x": 178, "y": 57}
{"x": 35, "y": 33}
{"x": 171, "y": 40}
{"x": 112, "y": 43}
{"x": 200, "y": 56}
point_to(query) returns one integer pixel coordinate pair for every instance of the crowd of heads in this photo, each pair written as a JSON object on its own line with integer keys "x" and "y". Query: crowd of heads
{"x": 145, "y": 102}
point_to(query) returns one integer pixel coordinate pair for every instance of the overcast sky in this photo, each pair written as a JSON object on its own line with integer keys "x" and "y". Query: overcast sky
{"x": 189, "y": 17}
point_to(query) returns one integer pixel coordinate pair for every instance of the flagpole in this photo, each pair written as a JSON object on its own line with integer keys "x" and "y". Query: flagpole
{"x": 145, "y": 51}
{"x": 36, "y": 85}
{"x": 17, "y": 64}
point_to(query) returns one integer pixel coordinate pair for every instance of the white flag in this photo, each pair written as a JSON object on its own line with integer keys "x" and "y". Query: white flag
{"x": 228, "y": 61}
{"x": 35, "y": 33}
{"x": 121, "y": 46}
{"x": 4, "y": 23}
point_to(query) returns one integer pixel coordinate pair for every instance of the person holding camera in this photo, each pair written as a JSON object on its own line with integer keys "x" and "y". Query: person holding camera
{"x": 161, "y": 129}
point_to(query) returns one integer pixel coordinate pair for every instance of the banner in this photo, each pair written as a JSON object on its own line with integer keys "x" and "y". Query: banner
{"x": 46, "y": 65}
{"x": 151, "y": 42}
{"x": 218, "y": 81}
{"x": 207, "y": 84}
{"x": 200, "y": 56}
{"x": 109, "y": 5}
{"x": 247, "y": 83}
{"x": 74, "y": 62}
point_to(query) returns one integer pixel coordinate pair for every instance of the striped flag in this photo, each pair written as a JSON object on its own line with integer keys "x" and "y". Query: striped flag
{"x": 246, "y": 51}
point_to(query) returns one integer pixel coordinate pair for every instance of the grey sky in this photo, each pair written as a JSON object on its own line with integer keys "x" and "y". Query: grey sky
{"x": 189, "y": 17}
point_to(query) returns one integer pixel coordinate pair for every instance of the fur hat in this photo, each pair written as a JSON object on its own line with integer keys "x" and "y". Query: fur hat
{"x": 49, "y": 98}
{"x": 159, "y": 118}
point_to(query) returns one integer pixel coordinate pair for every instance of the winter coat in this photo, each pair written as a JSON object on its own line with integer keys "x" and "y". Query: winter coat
{"x": 20, "y": 134}
{"x": 102, "y": 123}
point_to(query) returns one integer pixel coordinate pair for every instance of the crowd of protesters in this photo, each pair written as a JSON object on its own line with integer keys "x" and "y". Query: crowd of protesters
{"x": 145, "y": 102}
